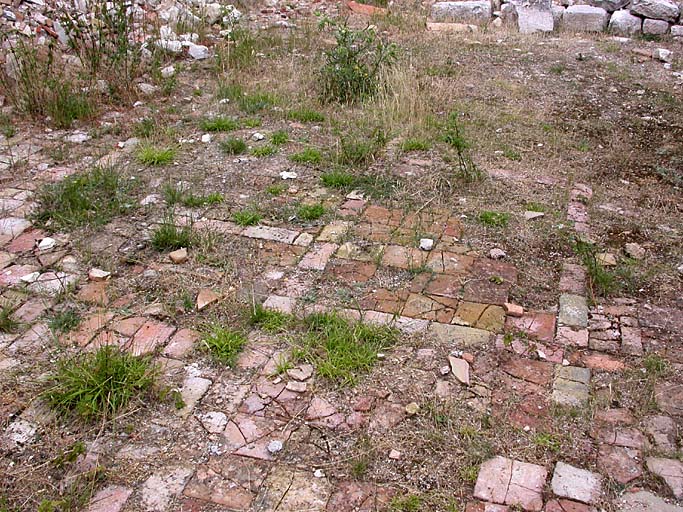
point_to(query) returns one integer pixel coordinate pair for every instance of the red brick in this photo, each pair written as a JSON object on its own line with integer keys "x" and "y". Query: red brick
{"x": 182, "y": 342}
{"x": 151, "y": 335}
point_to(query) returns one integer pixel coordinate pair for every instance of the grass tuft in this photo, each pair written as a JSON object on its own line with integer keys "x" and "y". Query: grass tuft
{"x": 64, "y": 321}
{"x": 223, "y": 344}
{"x": 310, "y": 212}
{"x": 263, "y": 151}
{"x": 305, "y": 115}
{"x": 219, "y": 124}
{"x": 341, "y": 350}
{"x": 169, "y": 237}
{"x": 338, "y": 179}
{"x": 246, "y": 217}
{"x": 98, "y": 385}
{"x": 310, "y": 156}
{"x": 8, "y": 324}
{"x": 233, "y": 146}
{"x": 494, "y": 219}
{"x": 270, "y": 320}
{"x": 279, "y": 138}
{"x": 92, "y": 198}
{"x": 416, "y": 145}
{"x": 149, "y": 154}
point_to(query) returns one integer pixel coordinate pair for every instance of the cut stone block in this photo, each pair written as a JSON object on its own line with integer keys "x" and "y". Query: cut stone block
{"x": 473, "y": 11}
{"x": 584, "y": 18}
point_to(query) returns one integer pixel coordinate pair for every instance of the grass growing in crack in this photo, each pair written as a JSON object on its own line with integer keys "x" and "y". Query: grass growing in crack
{"x": 270, "y": 320}
{"x": 149, "y": 154}
{"x": 305, "y": 115}
{"x": 415, "y": 145}
{"x": 173, "y": 195}
{"x": 282, "y": 365}
{"x": 279, "y": 138}
{"x": 246, "y": 217}
{"x": 338, "y": 179}
{"x": 340, "y": 350}
{"x": 494, "y": 219}
{"x": 310, "y": 212}
{"x": 263, "y": 151}
{"x": 224, "y": 344}
{"x": 219, "y": 124}
{"x": 91, "y": 198}
{"x": 168, "y": 237}
{"x": 7, "y": 323}
{"x": 98, "y": 385}
{"x": 602, "y": 281}
{"x": 233, "y": 146}
{"x": 311, "y": 156}
{"x": 64, "y": 321}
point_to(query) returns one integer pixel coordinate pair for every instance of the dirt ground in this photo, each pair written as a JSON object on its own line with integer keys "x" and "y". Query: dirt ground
{"x": 582, "y": 128}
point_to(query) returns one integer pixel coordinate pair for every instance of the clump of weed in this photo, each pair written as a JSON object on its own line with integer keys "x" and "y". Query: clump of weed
{"x": 263, "y": 151}
{"x": 145, "y": 128}
{"x": 415, "y": 145}
{"x": 246, "y": 217}
{"x": 149, "y": 154}
{"x": 279, "y": 138}
{"x": 270, "y": 320}
{"x": 340, "y": 350}
{"x": 93, "y": 198}
{"x": 656, "y": 366}
{"x": 304, "y": 115}
{"x": 356, "y": 151}
{"x": 409, "y": 503}
{"x": 338, "y": 179}
{"x": 168, "y": 237}
{"x": 602, "y": 281}
{"x": 233, "y": 146}
{"x": 251, "y": 122}
{"x": 64, "y": 321}
{"x": 8, "y": 324}
{"x": 311, "y": 156}
{"x": 310, "y": 212}
{"x": 219, "y": 124}
{"x": 512, "y": 154}
{"x": 494, "y": 219}
{"x": 174, "y": 195}
{"x": 276, "y": 189}
{"x": 352, "y": 68}
{"x": 99, "y": 384}
{"x": 467, "y": 169}
{"x": 224, "y": 344}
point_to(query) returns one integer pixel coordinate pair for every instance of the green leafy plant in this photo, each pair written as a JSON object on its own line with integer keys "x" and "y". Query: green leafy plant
{"x": 97, "y": 385}
{"x": 467, "y": 169}
{"x": 223, "y": 344}
{"x": 7, "y": 322}
{"x": 64, "y": 321}
{"x": 494, "y": 219}
{"x": 246, "y": 217}
{"x": 94, "y": 198}
{"x": 352, "y": 68}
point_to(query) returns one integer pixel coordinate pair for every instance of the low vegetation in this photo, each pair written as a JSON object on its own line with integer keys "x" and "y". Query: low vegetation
{"x": 223, "y": 344}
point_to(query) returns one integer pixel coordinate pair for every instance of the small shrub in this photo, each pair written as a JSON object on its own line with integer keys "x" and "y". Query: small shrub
{"x": 263, "y": 151}
{"x": 603, "y": 282}
{"x": 219, "y": 124}
{"x": 65, "y": 321}
{"x": 233, "y": 146}
{"x": 279, "y": 138}
{"x": 246, "y": 217}
{"x": 656, "y": 365}
{"x": 169, "y": 237}
{"x": 99, "y": 384}
{"x": 223, "y": 344}
{"x": 305, "y": 115}
{"x": 149, "y": 154}
{"x": 310, "y": 156}
{"x": 467, "y": 169}
{"x": 351, "y": 69}
{"x": 494, "y": 219}
{"x": 338, "y": 179}
{"x": 7, "y": 322}
{"x": 93, "y": 198}
{"x": 310, "y": 212}
{"x": 415, "y": 145}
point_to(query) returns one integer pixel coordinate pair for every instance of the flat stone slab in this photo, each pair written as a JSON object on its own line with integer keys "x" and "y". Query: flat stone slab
{"x": 576, "y": 484}
{"x": 291, "y": 490}
{"x": 511, "y": 482}
{"x": 573, "y": 311}
{"x": 571, "y": 386}
{"x": 474, "y": 11}
{"x": 282, "y": 235}
{"x": 670, "y": 470}
{"x": 459, "y": 335}
{"x": 669, "y": 397}
{"x": 644, "y": 501}
{"x": 109, "y": 499}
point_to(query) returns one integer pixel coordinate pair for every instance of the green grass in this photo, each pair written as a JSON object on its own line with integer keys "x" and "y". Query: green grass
{"x": 535, "y": 207}
{"x": 91, "y": 198}
{"x": 6, "y": 127}
{"x": 66, "y": 104}
{"x": 173, "y": 195}
{"x": 338, "y": 179}
{"x": 251, "y": 122}
{"x": 7, "y": 323}
{"x": 356, "y": 151}
{"x": 233, "y": 146}
{"x": 602, "y": 281}
{"x": 149, "y": 154}
{"x": 145, "y": 128}
{"x": 219, "y": 124}
{"x": 64, "y": 321}
{"x": 97, "y": 385}
{"x": 223, "y": 344}
{"x": 263, "y": 151}
{"x": 656, "y": 365}
{"x": 276, "y": 189}
{"x": 547, "y": 441}
{"x": 340, "y": 350}
{"x": 494, "y": 219}
{"x": 270, "y": 320}
{"x": 410, "y": 503}
{"x": 279, "y": 138}
{"x": 416, "y": 145}
{"x": 512, "y": 154}
{"x": 246, "y": 217}
{"x": 304, "y": 115}
{"x": 310, "y": 212}
{"x": 255, "y": 102}
{"x": 310, "y": 156}
{"x": 169, "y": 237}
